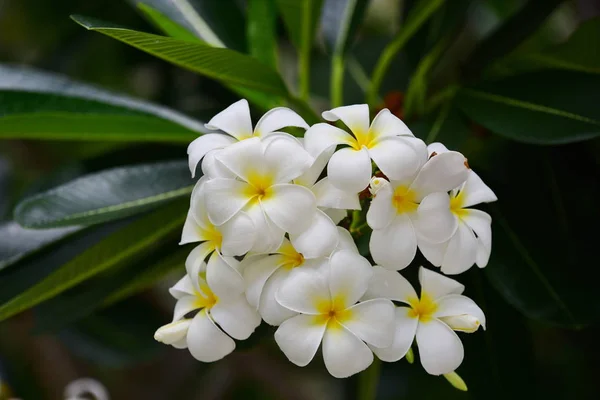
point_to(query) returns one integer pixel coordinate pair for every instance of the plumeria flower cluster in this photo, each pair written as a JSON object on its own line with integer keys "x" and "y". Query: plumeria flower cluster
{"x": 265, "y": 215}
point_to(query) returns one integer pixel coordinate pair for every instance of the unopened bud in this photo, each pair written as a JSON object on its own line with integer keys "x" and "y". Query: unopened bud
{"x": 376, "y": 184}
{"x": 173, "y": 332}
{"x": 410, "y": 356}
{"x": 456, "y": 381}
{"x": 462, "y": 323}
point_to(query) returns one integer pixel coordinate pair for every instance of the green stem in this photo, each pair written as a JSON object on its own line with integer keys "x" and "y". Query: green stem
{"x": 439, "y": 121}
{"x": 368, "y": 380}
{"x": 413, "y": 23}
{"x": 305, "y": 47}
{"x": 337, "y": 80}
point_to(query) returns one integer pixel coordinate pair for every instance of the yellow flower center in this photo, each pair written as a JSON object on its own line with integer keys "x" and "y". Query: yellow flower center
{"x": 456, "y": 205}
{"x": 404, "y": 200}
{"x": 333, "y": 313}
{"x": 259, "y": 187}
{"x": 362, "y": 139}
{"x": 205, "y": 298}
{"x": 290, "y": 256}
{"x": 422, "y": 309}
{"x": 212, "y": 234}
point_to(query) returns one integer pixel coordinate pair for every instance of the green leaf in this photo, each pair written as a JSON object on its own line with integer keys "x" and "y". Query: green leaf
{"x": 301, "y": 19}
{"x": 508, "y": 36}
{"x": 227, "y": 66}
{"x": 340, "y": 21}
{"x": 108, "y": 288}
{"x": 18, "y": 242}
{"x": 546, "y": 107}
{"x": 168, "y": 26}
{"x": 123, "y": 247}
{"x": 542, "y": 254}
{"x": 581, "y": 52}
{"x": 262, "y": 31}
{"x": 40, "y": 105}
{"x": 105, "y": 196}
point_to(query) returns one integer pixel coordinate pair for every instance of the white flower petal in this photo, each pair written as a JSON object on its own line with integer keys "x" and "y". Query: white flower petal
{"x": 303, "y": 290}
{"x": 234, "y": 120}
{"x": 344, "y": 353}
{"x": 245, "y": 159}
{"x": 437, "y": 285}
{"x": 173, "y": 332}
{"x": 194, "y": 263}
{"x": 204, "y": 144}
{"x": 461, "y": 251}
{"x": 356, "y": 117}
{"x": 433, "y": 252}
{"x": 440, "y": 349}
{"x": 212, "y": 168}
{"x": 269, "y": 236}
{"x": 456, "y": 305}
{"x": 396, "y": 157}
{"x": 395, "y": 246}
{"x": 437, "y": 148}
{"x": 256, "y": 274}
{"x": 350, "y": 170}
{"x": 321, "y": 137}
{"x": 476, "y": 192}
{"x": 287, "y": 159}
{"x": 192, "y": 232}
{"x": 388, "y": 284}
{"x": 184, "y": 306}
{"x": 349, "y": 275}
{"x": 441, "y": 173}
{"x": 290, "y": 207}
{"x": 222, "y": 278}
{"x": 330, "y": 196}
{"x": 434, "y": 221}
{"x": 405, "y": 328}
{"x": 183, "y": 287}
{"x": 336, "y": 215}
{"x": 224, "y": 198}
{"x": 319, "y": 239}
{"x": 206, "y": 342}
{"x": 386, "y": 124}
{"x": 277, "y": 118}
{"x": 235, "y": 317}
{"x": 480, "y": 222}
{"x": 238, "y": 235}
{"x": 346, "y": 242}
{"x": 381, "y": 211}
{"x": 299, "y": 338}
{"x": 270, "y": 310}
{"x": 310, "y": 176}
{"x": 373, "y": 322}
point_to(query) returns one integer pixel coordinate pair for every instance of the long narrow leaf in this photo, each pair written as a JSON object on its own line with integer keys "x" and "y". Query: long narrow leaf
{"x": 262, "y": 35}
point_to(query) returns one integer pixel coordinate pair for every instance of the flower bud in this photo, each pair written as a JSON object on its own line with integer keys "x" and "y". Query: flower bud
{"x": 462, "y": 323}
{"x": 456, "y": 381}
{"x": 376, "y": 184}
{"x": 173, "y": 332}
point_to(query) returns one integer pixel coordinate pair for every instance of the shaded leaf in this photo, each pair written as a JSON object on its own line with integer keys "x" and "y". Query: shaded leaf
{"x": 227, "y": 66}
{"x": 40, "y": 105}
{"x": 106, "y": 195}
{"x": 262, "y": 33}
{"x": 301, "y": 19}
{"x": 18, "y": 242}
{"x": 340, "y": 21}
{"x": 546, "y": 107}
{"x": 123, "y": 247}
{"x": 168, "y": 26}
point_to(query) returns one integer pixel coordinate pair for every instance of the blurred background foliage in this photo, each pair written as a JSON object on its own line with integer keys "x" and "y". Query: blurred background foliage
{"x": 513, "y": 84}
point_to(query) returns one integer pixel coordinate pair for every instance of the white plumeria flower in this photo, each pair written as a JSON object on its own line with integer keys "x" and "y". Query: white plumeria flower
{"x": 472, "y": 241}
{"x": 233, "y": 238}
{"x": 431, "y": 318}
{"x": 325, "y": 299}
{"x": 205, "y": 340}
{"x": 333, "y": 201}
{"x": 387, "y": 141}
{"x": 265, "y": 274}
{"x": 262, "y": 188}
{"x": 235, "y": 121}
{"x": 413, "y": 208}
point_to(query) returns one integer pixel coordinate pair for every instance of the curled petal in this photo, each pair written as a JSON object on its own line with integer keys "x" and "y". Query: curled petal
{"x": 437, "y": 285}
{"x": 183, "y": 287}
{"x": 454, "y": 305}
{"x": 356, "y": 117}
{"x": 480, "y": 222}
{"x": 350, "y": 170}
{"x": 235, "y": 120}
{"x": 204, "y": 144}
{"x": 441, "y": 173}
{"x": 476, "y": 192}
{"x": 321, "y": 137}
{"x": 310, "y": 176}
{"x": 173, "y": 332}
{"x": 222, "y": 278}
{"x": 381, "y": 211}
{"x": 277, "y": 118}
{"x": 386, "y": 124}
{"x": 192, "y": 232}
{"x": 299, "y": 338}
{"x": 206, "y": 342}
{"x": 194, "y": 263}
